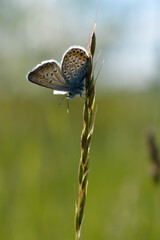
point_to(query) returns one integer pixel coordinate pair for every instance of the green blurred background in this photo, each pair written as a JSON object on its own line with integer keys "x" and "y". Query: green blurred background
{"x": 40, "y": 143}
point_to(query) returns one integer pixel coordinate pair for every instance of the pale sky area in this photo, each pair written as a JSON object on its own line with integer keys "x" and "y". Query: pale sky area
{"x": 128, "y": 36}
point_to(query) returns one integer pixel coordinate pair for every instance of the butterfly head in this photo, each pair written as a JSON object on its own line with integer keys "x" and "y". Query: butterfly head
{"x": 76, "y": 90}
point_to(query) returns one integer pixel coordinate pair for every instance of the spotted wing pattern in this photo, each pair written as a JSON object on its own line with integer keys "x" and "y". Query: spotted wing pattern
{"x": 75, "y": 65}
{"x": 48, "y": 74}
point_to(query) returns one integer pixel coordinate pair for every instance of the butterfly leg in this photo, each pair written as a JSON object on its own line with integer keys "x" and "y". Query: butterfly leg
{"x": 67, "y": 106}
{"x": 61, "y": 101}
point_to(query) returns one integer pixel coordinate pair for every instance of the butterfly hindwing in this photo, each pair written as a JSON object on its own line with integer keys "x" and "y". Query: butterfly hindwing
{"x": 48, "y": 74}
{"x": 75, "y": 65}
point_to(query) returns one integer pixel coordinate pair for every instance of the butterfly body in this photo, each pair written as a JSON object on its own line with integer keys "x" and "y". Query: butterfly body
{"x": 67, "y": 78}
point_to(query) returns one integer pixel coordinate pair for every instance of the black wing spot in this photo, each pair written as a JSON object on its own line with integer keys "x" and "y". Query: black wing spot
{"x": 67, "y": 66}
{"x": 41, "y": 80}
{"x": 47, "y": 74}
{"x": 55, "y": 71}
{"x": 51, "y": 73}
{"x": 69, "y": 77}
{"x": 65, "y": 72}
{"x": 74, "y": 75}
{"x": 72, "y": 69}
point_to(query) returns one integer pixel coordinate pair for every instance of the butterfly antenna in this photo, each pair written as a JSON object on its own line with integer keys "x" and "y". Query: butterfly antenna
{"x": 61, "y": 101}
{"x": 67, "y": 106}
{"x": 99, "y": 70}
{"x": 89, "y": 38}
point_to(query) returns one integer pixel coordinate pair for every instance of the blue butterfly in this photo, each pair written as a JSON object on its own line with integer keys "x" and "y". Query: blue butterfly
{"x": 67, "y": 78}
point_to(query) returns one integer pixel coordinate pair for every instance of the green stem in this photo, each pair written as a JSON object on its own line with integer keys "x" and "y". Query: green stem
{"x": 87, "y": 131}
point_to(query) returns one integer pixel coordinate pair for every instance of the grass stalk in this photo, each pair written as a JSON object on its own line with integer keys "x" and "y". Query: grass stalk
{"x": 154, "y": 156}
{"x": 89, "y": 114}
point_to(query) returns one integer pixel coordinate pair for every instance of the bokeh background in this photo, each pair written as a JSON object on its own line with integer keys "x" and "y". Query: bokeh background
{"x": 40, "y": 143}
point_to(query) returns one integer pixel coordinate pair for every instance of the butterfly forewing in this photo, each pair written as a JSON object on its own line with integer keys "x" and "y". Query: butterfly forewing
{"x": 48, "y": 74}
{"x": 75, "y": 65}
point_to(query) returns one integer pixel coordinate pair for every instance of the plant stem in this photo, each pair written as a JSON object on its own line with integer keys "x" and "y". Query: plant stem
{"x": 87, "y": 132}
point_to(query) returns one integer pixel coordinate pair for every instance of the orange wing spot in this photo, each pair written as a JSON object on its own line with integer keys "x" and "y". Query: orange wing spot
{"x": 77, "y": 54}
{"x": 66, "y": 58}
{"x": 84, "y": 59}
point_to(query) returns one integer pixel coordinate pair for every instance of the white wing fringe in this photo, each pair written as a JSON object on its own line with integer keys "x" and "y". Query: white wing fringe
{"x": 56, "y": 92}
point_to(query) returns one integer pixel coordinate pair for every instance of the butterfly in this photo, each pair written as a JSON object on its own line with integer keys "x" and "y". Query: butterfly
{"x": 65, "y": 78}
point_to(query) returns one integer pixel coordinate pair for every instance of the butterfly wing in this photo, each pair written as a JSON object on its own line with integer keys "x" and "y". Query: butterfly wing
{"x": 75, "y": 65}
{"x": 48, "y": 74}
